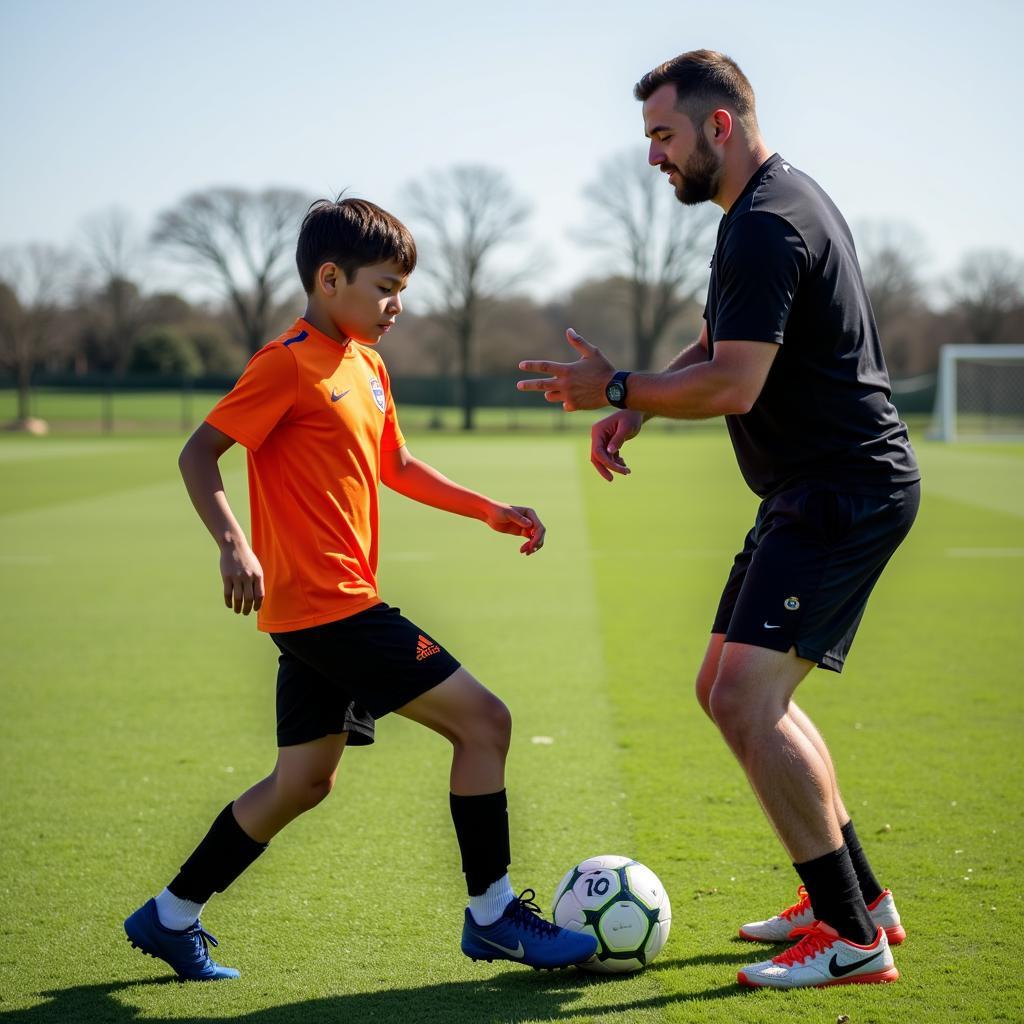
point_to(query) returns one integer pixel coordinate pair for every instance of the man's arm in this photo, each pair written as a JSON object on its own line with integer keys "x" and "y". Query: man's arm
{"x": 239, "y": 567}
{"x": 729, "y": 383}
{"x": 692, "y": 354}
{"x": 407, "y": 475}
{"x": 608, "y": 435}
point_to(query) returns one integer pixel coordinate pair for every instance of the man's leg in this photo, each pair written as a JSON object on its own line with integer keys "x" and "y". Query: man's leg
{"x": 498, "y": 925}
{"x": 705, "y": 684}
{"x": 869, "y": 884}
{"x": 749, "y": 703}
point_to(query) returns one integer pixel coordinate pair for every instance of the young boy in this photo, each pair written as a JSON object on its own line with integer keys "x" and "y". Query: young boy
{"x": 314, "y": 410}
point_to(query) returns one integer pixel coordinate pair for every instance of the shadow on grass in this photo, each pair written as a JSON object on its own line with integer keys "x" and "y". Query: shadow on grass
{"x": 514, "y": 996}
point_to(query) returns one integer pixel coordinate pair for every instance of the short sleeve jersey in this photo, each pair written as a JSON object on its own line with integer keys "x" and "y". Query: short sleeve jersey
{"x": 785, "y": 271}
{"x": 315, "y": 417}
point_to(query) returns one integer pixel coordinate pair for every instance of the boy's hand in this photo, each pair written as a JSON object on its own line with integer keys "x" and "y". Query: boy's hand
{"x": 520, "y": 521}
{"x": 243, "y": 578}
{"x": 607, "y": 437}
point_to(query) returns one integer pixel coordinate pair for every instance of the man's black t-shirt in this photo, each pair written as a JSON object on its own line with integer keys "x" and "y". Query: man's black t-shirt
{"x": 785, "y": 271}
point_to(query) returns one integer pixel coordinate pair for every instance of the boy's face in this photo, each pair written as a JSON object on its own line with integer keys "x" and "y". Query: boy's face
{"x": 366, "y": 309}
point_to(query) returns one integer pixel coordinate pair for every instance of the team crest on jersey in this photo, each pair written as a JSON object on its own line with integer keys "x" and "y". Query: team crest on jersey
{"x": 791, "y": 604}
{"x": 377, "y": 390}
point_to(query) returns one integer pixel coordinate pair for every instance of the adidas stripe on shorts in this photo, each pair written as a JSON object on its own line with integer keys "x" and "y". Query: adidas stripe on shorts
{"x": 342, "y": 676}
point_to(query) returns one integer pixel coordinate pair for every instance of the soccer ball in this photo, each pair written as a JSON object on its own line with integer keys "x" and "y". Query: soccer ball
{"x": 622, "y": 904}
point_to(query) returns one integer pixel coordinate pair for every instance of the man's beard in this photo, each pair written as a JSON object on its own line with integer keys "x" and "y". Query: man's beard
{"x": 701, "y": 175}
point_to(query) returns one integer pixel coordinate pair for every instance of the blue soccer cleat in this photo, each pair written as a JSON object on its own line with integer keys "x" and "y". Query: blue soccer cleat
{"x": 523, "y": 936}
{"x": 187, "y": 952}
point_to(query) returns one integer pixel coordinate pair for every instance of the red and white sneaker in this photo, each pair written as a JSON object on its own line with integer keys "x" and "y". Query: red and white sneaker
{"x": 784, "y": 925}
{"x": 822, "y": 958}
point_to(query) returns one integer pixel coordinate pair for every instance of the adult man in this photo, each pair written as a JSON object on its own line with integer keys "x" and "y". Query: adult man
{"x": 790, "y": 355}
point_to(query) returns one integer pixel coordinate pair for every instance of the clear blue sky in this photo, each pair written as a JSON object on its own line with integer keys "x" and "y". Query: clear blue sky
{"x": 901, "y": 110}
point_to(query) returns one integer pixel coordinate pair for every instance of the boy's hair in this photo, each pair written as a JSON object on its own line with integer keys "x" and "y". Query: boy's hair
{"x": 704, "y": 79}
{"x": 351, "y": 233}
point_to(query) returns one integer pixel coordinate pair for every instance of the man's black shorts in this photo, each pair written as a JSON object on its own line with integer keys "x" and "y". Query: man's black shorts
{"x": 808, "y": 565}
{"x": 342, "y": 676}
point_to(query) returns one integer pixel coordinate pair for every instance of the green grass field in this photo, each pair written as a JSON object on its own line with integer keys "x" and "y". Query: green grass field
{"x": 134, "y": 706}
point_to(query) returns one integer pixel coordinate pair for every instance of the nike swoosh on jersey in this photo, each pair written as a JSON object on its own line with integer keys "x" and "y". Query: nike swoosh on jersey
{"x": 518, "y": 952}
{"x": 837, "y": 970}
{"x": 766, "y": 626}
{"x": 335, "y": 397}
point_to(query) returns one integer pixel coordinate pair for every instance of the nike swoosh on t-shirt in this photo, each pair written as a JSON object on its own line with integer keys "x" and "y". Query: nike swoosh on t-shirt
{"x": 335, "y": 397}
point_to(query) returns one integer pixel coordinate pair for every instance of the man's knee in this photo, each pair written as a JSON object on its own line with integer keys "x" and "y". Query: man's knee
{"x": 709, "y": 672}
{"x": 704, "y": 685}
{"x": 725, "y": 706}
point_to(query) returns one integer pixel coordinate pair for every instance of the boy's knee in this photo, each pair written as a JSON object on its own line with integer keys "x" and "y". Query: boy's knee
{"x": 489, "y": 726}
{"x": 303, "y": 794}
{"x": 498, "y": 723}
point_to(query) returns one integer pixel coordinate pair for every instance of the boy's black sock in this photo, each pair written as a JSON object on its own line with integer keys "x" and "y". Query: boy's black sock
{"x": 835, "y": 895}
{"x": 869, "y": 887}
{"x": 481, "y": 825}
{"x": 225, "y": 852}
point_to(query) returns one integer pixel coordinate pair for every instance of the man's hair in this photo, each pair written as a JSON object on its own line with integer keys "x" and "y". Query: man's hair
{"x": 704, "y": 80}
{"x": 351, "y": 233}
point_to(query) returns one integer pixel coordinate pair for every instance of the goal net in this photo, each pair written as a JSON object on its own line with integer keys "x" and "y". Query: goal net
{"x": 980, "y": 394}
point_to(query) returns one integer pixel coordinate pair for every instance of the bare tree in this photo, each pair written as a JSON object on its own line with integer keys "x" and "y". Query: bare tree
{"x": 658, "y": 245}
{"x": 891, "y": 255}
{"x": 468, "y": 212}
{"x": 29, "y": 330}
{"x": 244, "y": 241}
{"x": 987, "y": 289}
{"x": 113, "y": 258}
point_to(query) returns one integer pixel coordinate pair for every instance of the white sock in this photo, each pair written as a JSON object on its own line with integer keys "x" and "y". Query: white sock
{"x": 177, "y": 914}
{"x": 488, "y": 907}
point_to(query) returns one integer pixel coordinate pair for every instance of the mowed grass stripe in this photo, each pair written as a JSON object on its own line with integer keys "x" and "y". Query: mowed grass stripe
{"x": 134, "y": 707}
{"x": 923, "y": 722}
{"x": 45, "y": 472}
{"x": 153, "y": 706}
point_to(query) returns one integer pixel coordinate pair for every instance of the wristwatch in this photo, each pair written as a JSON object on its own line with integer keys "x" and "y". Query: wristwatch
{"x": 615, "y": 389}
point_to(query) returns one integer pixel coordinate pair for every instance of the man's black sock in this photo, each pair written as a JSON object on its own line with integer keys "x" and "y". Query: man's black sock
{"x": 835, "y": 895}
{"x": 225, "y": 852}
{"x": 481, "y": 826}
{"x": 869, "y": 887}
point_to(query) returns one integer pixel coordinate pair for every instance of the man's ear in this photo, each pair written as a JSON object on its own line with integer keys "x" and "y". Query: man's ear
{"x": 720, "y": 125}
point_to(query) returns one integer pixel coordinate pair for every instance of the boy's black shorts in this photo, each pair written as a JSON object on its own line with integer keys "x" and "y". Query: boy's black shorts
{"x": 342, "y": 676}
{"x": 808, "y": 565}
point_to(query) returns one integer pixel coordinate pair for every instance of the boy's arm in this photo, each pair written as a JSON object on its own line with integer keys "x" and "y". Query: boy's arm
{"x": 239, "y": 567}
{"x": 405, "y": 474}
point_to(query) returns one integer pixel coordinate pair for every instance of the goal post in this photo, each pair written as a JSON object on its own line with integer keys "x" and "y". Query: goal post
{"x": 980, "y": 393}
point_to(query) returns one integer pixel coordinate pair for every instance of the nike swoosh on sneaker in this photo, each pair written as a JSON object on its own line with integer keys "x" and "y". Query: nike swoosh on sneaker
{"x": 837, "y": 970}
{"x": 335, "y": 397}
{"x": 518, "y": 952}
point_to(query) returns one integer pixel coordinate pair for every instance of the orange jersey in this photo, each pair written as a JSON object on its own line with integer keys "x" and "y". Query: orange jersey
{"x": 315, "y": 418}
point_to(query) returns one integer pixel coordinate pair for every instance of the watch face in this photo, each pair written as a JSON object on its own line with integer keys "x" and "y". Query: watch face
{"x": 615, "y": 392}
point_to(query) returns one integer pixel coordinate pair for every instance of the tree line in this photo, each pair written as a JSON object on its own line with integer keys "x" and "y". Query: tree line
{"x": 97, "y": 305}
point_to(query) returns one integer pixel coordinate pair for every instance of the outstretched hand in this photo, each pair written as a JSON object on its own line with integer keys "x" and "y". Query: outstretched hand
{"x": 519, "y": 521}
{"x": 578, "y": 385}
